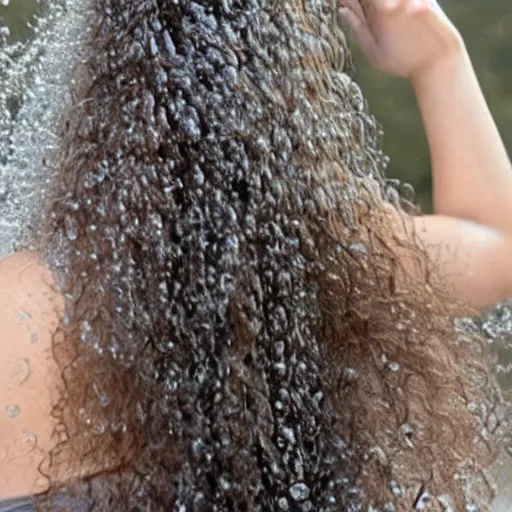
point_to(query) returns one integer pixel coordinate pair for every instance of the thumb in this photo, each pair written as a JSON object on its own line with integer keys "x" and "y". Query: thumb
{"x": 362, "y": 32}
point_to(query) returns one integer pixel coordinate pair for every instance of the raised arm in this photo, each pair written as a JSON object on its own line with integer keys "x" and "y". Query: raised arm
{"x": 470, "y": 235}
{"x": 472, "y": 175}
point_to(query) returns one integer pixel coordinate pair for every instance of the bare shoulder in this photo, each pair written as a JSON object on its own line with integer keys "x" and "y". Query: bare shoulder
{"x": 469, "y": 260}
{"x": 24, "y": 277}
{"x": 29, "y": 313}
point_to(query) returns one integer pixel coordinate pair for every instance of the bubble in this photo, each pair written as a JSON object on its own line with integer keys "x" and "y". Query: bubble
{"x": 23, "y": 315}
{"x": 350, "y": 375}
{"x": 446, "y": 503}
{"x": 198, "y": 177}
{"x": 396, "y": 489}
{"x": 189, "y": 122}
{"x": 299, "y": 491}
{"x": 35, "y": 77}
{"x": 225, "y": 484}
{"x": 288, "y": 434}
{"x": 99, "y": 429}
{"x": 232, "y": 242}
{"x": 283, "y": 504}
{"x": 358, "y": 248}
{"x": 103, "y": 399}
{"x": 279, "y": 348}
{"x": 71, "y": 228}
{"x": 85, "y": 330}
{"x": 168, "y": 43}
{"x": 423, "y": 501}
{"x": 12, "y": 411}
{"x": 29, "y": 440}
{"x": 153, "y": 48}
{"x": 318, "y": 397}
{"x": 408, "y": 432}
{"x": 20, "y": 370}
{"x": 280, "y": 367}
{"x": 394, "y": 367}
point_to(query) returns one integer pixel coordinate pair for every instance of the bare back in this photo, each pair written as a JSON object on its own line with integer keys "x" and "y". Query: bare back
{"x": 29, "y": 311}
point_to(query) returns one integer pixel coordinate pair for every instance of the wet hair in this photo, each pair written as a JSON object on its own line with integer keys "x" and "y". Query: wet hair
{"x": 235, "y": 337}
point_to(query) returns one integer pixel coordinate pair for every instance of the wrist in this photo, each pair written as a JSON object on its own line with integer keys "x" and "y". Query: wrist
{"x": 452, "y": 62}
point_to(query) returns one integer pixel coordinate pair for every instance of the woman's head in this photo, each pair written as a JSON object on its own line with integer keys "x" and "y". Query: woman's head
{"x": 234, "y": 338}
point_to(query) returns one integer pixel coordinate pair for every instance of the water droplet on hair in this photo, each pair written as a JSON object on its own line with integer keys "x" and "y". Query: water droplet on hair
{"x": 299, "y": 491}
{"x": 74, "y": 206}
{"x": 358, "y": 248}
{"x": 288, "y": 434}
{"x": 395, "y": 488}
{"x": 198, "y": 176}
{"x": 281, "y": 368}
{"x": 394, "y": 367}
{"x": 279, "y": 348}
{"x": 225, "y": 484}
{"x": 407, "y": 191}
{"x": 407, "y": 430}
{"x": 283, "y": 504}
{"x": 103, "y": 399}
{"x": 153, "y": 48}
{"x": 349, "y": 375}
{"x": 446, "y": 502}
{"x": 422, "y": 501}
{"x": 189, "y": 122}
{"x": 99, "y": 429}
{"x": 70, "y": 227}
{"x": 169, "y": 44}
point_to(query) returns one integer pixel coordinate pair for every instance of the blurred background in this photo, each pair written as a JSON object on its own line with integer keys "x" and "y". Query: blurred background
{"x": 18, "y": 15}
{"x": 486, "y": 26}
{"x": 487, "y": 29}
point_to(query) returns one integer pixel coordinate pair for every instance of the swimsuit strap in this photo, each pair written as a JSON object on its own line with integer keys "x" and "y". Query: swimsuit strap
{"x": 17, "y": 505}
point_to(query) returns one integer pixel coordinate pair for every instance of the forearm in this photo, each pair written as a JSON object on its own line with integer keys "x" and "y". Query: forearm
{"x": 472, "y": 176}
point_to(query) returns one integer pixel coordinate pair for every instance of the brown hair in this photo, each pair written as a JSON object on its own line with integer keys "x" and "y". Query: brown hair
{"x": 235, "y": 338}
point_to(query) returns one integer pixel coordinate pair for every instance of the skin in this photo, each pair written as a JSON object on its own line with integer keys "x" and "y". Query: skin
{"x": 29, "y": 313}
{"x": 469, "y": 237}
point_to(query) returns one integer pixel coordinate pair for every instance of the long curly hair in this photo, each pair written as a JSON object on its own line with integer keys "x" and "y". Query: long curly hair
{"x": 235, "y": 335}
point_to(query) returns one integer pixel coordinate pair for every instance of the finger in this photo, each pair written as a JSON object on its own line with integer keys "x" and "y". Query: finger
{"x": 362, "y": 32}
{"x": 420, "y": 6}
{"x": 355, "y": 6}
{"x": 388, "y": 6}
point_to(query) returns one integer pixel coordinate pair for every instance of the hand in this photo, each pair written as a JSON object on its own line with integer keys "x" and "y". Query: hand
{"x": 402, "y": 37}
